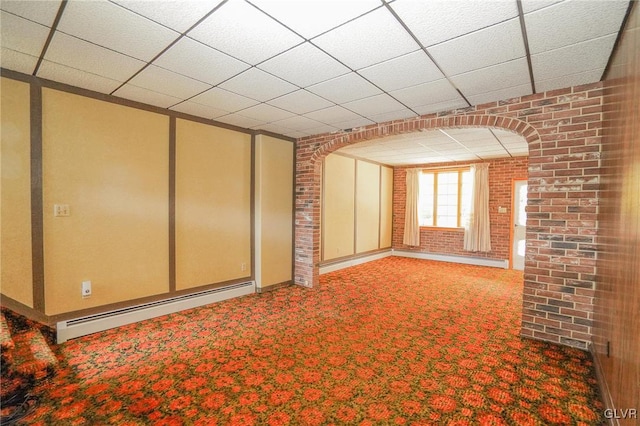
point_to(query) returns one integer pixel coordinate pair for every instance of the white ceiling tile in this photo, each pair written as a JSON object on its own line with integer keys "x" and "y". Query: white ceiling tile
{"x": 300, "y": 102}
{"x": 489, "y": 46}
{"x": 42, "y": 12}
{"x": 426, "y": 93}
{"x": 178, "y": 15}
{"x": 167, "y": 82}
{"x": 571, "y": 22}
{"x": 196, "y": 60}
{"x": 275, "y": 128}
{"x": 75, "y": 53}
{"x": 239, "y": 29}
{"x": 435, "y": 21}
{"x": 325, "y": 128}
{"x": 223, "y": 99}
{"x": 334, "y": 114}
{"x": 146, "y": 96}
{"x": 345, "y": 88}
{"x": 299, "y": 123}
{"x": 393, "y": 115}
{"x": 440, "y": 106}
{"x": 501, "y": 76}
{"x": 499, "y": 95}
{"x": 581, "y": 57}
{"x": 241, "y": 121}
{"x": 75, "y": 77}
{"x": 22, "y": 35}
{"x": 408, "y": 70}
{"x": 304, "y": 65}
{"x": 17, "y": 61}
{"x": 353, "y": 123}
{"x": 265, "y": 113}
{"x": 378, "y": 104}
{"x": 531, "y": 5}
{"x": 135, "y": 36}
{"x": 258, "y": 85}
{"x": 569, "y": 80}
{"x": 312, "y": 17}
{"x": 372, "y": 38}
{"x": 199, "y": 110}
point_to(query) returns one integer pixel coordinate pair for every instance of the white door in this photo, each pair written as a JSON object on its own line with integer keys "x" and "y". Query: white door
{"x": 519, "y": 224}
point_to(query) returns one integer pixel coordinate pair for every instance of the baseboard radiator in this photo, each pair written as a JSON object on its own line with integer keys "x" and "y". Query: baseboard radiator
{"x": 94, "y": 323}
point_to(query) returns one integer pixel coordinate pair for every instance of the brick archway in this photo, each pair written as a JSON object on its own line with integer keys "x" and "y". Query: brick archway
{"x": 562, "y": 129}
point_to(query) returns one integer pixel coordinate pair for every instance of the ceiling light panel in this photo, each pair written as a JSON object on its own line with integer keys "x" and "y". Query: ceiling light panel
{"x": 572, "y": 22}
{"x": 501, "y": 76}
{"x": 370, "y": 39}
{"x": 489, "y": 46}
{"x": 177, "y": 15}
{"x": 75, "y": 53}
{"x": 21, "y": 35}
{"x": 300, "y": 102}
{"x": 199, "y": 110}
{"x": 258, "y": 85}
{"x": 146, "y": 96}
{"x": 242, "y": 31}
{"x": 414, "y": 68}
{"x": 310, "y": 18}
{"x": 223, "y": 99}
{"x": 95, "y": 21}
{"x": 77, "y": 78}
{"x": 196, "y": 60}
{"x": 585, "y": 56}
{"x": 42, "y": 12}
{"x": 167, "y": 82}
{"x": 304, "y": 65}
{"x": 345, "y": 88}
{"x": 436, "y": 21}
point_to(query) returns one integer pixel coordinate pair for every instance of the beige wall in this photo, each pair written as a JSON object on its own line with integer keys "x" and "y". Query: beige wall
{"x": 274, "y": 210}
{"x": 386, "y": 206}
{"x": 109, "y": 163}
{"x": 213, "y": 204}
{"x": 338, "y": 207}
{"x": 356, "y": 207}
{"x": 15, "y": 198}
{"x": 367, "y": 206}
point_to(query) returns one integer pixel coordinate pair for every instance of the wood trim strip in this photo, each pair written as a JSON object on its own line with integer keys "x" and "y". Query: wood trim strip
{"x": 355, "y": 206}
{"x": 293, "y": 211}
{"x": 252, "y": 208}
{"x": 172, "y": 204}
{"x": 52, "y": 31}
{"x": 37, "y": 208}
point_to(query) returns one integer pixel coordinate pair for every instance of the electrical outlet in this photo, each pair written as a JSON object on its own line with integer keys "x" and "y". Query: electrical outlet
{"x": 86, "y": 289}
{"x": 61, "y": 210}
{"x": 243, "y": 266}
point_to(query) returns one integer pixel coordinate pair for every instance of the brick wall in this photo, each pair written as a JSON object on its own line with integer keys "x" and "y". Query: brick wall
{"x": 450, "y": 241}
{"x": 562, "y": 128}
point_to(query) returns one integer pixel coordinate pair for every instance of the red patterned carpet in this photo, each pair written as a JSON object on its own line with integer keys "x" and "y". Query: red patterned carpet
{"x": 396, "y": 341}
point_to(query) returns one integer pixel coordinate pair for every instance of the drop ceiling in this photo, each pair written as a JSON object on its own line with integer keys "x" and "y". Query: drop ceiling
{"x": 301, "y": 68}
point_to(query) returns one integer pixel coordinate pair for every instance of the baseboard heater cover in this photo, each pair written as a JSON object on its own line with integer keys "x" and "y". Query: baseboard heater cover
{"x": 479, "y": 261}
{"x": 82, "y": 326}
{"x": 353, "y": 262}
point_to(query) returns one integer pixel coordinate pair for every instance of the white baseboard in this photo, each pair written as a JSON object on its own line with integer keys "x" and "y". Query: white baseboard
{"x": 469, "y": 260}
{"x": 353, "y": 262}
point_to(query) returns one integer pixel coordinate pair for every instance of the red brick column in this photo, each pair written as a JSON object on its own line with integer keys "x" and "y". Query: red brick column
{"x": 562, "y": 128}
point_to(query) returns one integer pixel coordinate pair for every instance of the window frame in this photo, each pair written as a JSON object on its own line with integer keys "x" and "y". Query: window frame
{"x": 460, "y": 170}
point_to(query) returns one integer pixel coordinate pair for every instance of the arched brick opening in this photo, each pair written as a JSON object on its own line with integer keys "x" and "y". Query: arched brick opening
{"x": 562, "y": 129}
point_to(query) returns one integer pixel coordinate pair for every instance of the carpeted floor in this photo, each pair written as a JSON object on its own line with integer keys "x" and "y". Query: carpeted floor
{"x": 396, "y": 341}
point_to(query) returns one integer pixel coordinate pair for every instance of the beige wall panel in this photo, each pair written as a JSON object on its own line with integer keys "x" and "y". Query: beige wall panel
{"x": 339, "y": 207}
{"x": 213, "y": 204}
{"x": 109, "y": 163}
{"x": 15, "y": 198}
{"x": 367, "y": 206}
{"x": 386, "y": 206}
{"x": 274, "y": 161}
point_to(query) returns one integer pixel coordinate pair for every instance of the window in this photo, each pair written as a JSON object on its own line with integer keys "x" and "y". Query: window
{"x": 445, "y": 198}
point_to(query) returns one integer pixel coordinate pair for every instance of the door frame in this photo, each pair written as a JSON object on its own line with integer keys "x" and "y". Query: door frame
{"x": 511, "y": 223}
